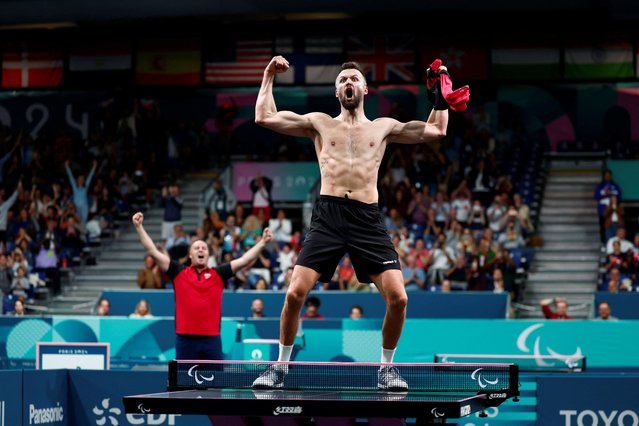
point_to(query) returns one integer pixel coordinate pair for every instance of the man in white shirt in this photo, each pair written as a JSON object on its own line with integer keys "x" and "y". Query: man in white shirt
{"x": 623, "y": 242}
{"x": 282, "y": 227}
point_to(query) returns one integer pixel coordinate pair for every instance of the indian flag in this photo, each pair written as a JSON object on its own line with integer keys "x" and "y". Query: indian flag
{"x": 601, "y": 61}
{"x": 525, "y": 63}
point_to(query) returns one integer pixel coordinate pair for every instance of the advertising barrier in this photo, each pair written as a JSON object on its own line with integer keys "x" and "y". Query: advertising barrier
{"x": 44, "y": 398}
{"x": 334, "y": 304}
{"x": 587, "y": 400}
{"x": 97, "y": 399}
{"x": 622, "y": 305}
{"x": 291, "y": 181}
{"x": 153, "y": 340}
{"x": 91, "y": 397}
{"x": 11, "y": 397}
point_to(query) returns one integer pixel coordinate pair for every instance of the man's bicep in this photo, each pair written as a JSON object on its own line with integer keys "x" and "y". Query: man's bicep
{"x": 407, "y": 133}
{"x": 291, "y": 123}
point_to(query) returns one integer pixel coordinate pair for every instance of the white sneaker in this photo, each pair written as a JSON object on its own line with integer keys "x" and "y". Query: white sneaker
{"x": 272, "y": 377}
{"x": 388, "y": 378}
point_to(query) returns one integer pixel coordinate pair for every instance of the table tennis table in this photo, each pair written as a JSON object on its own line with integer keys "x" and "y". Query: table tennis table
{"x": 437, "y": 392}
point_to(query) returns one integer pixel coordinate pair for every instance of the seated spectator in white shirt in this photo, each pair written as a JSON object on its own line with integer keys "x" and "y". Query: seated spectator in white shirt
{"x": 281, "y": 227}
{"x": 621, "y": 237}
{"x": 285, "y": 257}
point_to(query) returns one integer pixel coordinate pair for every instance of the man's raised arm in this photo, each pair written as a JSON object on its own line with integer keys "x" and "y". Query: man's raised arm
{"x": 266, "y": 113}
{"x": 435, "y": 127}
{"x": 160, "y": 258}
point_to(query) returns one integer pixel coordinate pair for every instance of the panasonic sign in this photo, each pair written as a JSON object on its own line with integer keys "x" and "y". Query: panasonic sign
{"x": 600, "y": 417}
{"x": 41, "y": 416}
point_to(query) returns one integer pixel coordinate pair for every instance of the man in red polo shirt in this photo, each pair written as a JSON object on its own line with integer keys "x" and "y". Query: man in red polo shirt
{"x": 198, "y": 293}
{"x": 561, "y": 312}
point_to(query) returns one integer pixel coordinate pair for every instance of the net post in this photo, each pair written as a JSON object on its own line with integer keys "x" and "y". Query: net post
{"x": 172, "y": 384}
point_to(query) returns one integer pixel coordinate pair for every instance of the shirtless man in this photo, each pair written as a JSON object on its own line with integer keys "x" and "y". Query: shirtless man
{"x": 346, "y": 218}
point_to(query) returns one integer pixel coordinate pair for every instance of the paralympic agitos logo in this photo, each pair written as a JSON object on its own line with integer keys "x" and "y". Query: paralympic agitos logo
{"x": 482, "y": 381}
{"x": 199, "y": 378}
{"x": 523, "y": 345}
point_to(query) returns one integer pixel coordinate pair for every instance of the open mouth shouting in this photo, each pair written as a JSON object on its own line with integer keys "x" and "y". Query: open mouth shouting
{"x": 350, "y": 100}
{"x": 349, "y": 94}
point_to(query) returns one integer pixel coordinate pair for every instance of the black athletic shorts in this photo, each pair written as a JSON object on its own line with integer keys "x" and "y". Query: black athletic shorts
{"x": 339, "y": 226}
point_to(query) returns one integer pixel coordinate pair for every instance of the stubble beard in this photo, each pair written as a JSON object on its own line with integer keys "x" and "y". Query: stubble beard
{"x": 352, "y": 104}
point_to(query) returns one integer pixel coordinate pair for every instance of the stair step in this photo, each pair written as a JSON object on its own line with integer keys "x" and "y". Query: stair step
{"x": 583, "y": 179}
{"x": 560, "y": 287}
{"x": 571, "y": 187}
{"x": 570, "y": 236}
{"x": 548, "y": 266}
{"x": 553, "y": 193}
{"x": 574, "y": 210}
{"x": 566, "y": 203}
{"x": 563, "y": 219}
{"x": 587, "y": 258}
{"x": 575, "y": 161}
{"x": 572, "y": 294}
{"x": 563, "y": 277}
{"x": 117, "y": 277}
{"x": 574, "y": 298}
{"x": 107, "y": 270}
{"x": 569, "y": 227}
{"x": 572, "y": 246}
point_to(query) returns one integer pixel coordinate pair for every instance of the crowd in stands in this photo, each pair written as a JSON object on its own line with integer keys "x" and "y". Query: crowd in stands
{"x": 459, "y": 213}
{"x": 619, "y": 265}
{"x": 59, "y": 194}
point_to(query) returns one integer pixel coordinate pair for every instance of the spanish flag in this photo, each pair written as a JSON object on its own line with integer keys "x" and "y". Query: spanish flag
{"x": 173, "y": 62}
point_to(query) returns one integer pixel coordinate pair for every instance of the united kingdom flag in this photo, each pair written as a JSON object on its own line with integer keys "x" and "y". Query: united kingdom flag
{"x": 384, "y": 58}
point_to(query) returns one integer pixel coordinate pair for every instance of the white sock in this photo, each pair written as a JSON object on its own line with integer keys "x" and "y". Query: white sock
{"x": 387, "y": 355}
{"x": 285, "y": 353}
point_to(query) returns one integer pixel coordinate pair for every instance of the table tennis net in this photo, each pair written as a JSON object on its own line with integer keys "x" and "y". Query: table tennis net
{"x": 526, "y": 363}
{"x": 346, "y": 376}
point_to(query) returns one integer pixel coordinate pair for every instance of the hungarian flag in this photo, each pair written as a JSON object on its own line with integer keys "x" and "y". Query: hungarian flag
{"x": 464, "y": 61}
{"x": 534, "y": 63}
{"x": 31, "y": 66}
{"x": 239, "y": 61}
{"x": 599, "y": 61}
{"x": 168, "y": 62}
{"x": 384, "y": 58}
{"x": 100, "y": 56}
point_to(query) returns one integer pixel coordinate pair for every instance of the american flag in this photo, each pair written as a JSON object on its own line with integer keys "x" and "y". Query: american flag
{"x": 241, "y": 62}
{"x": 388, "y": 58}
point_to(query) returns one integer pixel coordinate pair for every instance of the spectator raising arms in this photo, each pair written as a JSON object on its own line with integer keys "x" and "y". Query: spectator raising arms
{"x": 561, "y": 309}
{"x": 198, "y": 293}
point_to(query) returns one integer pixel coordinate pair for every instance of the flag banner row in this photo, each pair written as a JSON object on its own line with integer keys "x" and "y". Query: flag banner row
{"x": 400, "y": 58}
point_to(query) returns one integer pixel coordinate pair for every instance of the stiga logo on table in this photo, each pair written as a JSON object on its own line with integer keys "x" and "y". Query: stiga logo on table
{"x": 287, "y": 410}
